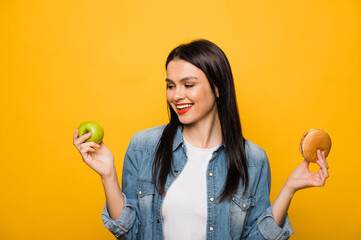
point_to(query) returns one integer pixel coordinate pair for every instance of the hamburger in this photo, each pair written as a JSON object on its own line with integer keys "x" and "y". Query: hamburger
{"x": 311, "y": 141}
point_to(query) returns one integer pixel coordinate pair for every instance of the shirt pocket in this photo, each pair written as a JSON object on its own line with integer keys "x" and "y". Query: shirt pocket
{"x": 145, "y": 191}
{"x": 240, "y": 206}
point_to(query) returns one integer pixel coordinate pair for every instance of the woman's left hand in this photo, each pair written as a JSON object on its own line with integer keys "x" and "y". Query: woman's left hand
{"x": 302, "y": 177}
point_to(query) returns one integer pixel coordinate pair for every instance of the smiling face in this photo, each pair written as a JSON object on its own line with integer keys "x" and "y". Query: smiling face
{"x": 189, "y": 93}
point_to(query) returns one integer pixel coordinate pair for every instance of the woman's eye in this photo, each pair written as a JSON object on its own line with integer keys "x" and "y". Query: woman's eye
{"x": 170, "y": 86}
{"x": 189, "y": 85}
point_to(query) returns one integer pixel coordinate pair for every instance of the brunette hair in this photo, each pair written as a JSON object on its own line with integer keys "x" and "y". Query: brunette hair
{"x": 213, "y": 62}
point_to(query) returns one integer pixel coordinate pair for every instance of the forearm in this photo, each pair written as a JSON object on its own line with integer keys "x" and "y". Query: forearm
{"x": 281, "y": 205}
{"x": 113, "y": 195}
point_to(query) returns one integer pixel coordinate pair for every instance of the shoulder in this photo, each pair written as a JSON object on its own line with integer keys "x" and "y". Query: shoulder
{"x": 255, "y": 155}
{"x": 147, "y": 139}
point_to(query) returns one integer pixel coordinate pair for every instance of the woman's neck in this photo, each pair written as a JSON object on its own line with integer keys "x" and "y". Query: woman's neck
{"x": 204, "y": 134}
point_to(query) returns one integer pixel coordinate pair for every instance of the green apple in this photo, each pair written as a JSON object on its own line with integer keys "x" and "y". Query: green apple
{"x": 95, "y": 129}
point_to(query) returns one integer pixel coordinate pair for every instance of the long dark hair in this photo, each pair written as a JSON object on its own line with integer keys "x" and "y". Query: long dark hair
{"x": 213, "y": 62}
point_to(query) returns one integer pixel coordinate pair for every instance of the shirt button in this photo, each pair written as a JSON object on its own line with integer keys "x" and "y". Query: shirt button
{"x": 212, "y": 199}
{"x": 140, "y": 192}
{"x": 210, "y": 174}
{"x": 175, "y": 171}
{"x": 158, "y": 221}
{"x": 244, "y": 205}
{"x": 211, "y": 228}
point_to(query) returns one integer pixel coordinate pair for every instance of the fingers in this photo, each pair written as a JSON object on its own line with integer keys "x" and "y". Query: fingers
{"x": 321, "y": 162}
{"x": 320, "y": 180}
{"x": 77, "y": 141}
{"x": 324, "y": 158}
{"x": 89, "y": 144}
{"x": 87, "y": 148}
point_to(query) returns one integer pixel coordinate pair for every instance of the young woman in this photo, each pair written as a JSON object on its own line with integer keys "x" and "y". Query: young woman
{"x": 196, "y": 177}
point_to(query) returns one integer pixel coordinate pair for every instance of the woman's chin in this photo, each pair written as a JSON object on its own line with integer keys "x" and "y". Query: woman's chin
{"x": 185, "y": 120}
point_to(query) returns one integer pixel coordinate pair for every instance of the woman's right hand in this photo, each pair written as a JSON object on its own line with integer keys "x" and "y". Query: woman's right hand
{"x": 100, "y": 160}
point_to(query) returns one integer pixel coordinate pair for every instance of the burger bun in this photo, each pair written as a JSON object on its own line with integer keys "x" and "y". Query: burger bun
{"x": 311, "y": 141}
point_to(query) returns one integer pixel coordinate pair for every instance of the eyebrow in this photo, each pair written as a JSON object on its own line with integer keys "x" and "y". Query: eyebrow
{"x": 182, "y": 80}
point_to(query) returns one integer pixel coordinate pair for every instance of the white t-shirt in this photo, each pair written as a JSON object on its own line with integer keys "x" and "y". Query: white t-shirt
{"x": 184, "y": 209}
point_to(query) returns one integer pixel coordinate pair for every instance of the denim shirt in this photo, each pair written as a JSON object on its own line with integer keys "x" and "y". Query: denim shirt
{"x": 246, "y": 216}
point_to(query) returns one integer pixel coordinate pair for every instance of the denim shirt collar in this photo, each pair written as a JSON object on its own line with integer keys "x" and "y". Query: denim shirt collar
{"x": 178, "y": 139}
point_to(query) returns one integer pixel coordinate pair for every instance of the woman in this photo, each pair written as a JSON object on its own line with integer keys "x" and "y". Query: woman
{"x": 197, "y": 177}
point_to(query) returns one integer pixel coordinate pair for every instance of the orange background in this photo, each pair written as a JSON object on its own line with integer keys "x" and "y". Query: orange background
{"x": 296, "y": 66}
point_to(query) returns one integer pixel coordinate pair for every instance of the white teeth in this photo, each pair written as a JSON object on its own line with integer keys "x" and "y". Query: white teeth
{"x": 184, "y": 106}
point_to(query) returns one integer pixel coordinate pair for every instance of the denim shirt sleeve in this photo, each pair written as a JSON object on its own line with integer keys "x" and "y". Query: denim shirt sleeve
{"x": 123, "y": 224}
{"x": 127, "y": 223}
{"x": 260, "y": 223}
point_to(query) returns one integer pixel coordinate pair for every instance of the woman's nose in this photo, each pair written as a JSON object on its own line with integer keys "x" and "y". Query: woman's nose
{"x": 179, "y": 93}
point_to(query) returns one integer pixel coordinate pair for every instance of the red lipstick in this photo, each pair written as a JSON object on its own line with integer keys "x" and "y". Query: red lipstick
{"x": 185, "y": 109}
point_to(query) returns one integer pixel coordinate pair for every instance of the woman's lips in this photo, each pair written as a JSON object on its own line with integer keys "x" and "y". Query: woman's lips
{"x": 183, "y": 108}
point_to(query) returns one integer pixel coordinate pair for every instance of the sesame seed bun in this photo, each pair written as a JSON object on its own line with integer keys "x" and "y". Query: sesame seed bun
{"x": 312, "y": 140}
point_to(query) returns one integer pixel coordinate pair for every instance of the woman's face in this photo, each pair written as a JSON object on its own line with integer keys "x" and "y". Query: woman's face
{"x": 189, "y": 93}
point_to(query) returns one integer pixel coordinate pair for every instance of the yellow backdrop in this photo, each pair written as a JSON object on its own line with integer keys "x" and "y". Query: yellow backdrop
{"x": 296, "y": 65}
